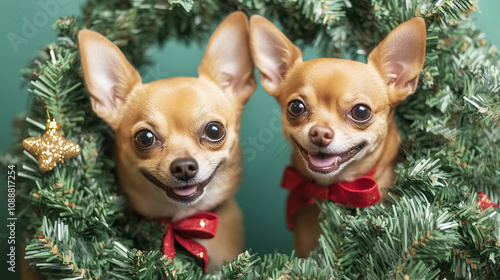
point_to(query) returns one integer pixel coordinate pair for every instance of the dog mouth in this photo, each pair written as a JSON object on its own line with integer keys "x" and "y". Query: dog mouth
{"x": 321, "y": 162}
{"x": 182, "y": 194}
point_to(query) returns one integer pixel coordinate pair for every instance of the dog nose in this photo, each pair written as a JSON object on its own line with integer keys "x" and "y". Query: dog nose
{"x": 321, "y": 135}
{"x": 184, "y": 168}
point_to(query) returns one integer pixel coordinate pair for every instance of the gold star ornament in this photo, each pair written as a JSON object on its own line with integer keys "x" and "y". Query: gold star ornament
{"x": 51, "y": 149}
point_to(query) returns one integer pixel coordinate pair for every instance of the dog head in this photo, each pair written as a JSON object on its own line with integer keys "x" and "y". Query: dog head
{"x": 337, "y": 112}
{"x": 176, "y": 139}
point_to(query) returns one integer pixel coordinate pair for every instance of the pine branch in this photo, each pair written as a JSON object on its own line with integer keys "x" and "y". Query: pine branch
{"x": 432, "y": 227}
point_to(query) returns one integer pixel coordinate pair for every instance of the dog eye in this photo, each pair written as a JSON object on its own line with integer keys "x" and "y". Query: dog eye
{"x": 361, "y": 112}
{"x": 214, "y": 131}
{"x": 144, "y": 139}
{"x": 296, "y": 108}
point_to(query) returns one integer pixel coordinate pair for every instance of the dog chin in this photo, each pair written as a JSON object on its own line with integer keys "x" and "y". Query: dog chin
{"x": 325, "y": 165}
{"x": 183, "y": 194}
{"x": 186, "y": 202}
{"x": 327, "y": 178}
{"x": 209, "y": 200}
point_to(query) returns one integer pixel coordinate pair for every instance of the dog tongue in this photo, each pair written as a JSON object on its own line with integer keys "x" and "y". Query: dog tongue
{"x": 323, "y": 160}
{"x": 186, "y": 191}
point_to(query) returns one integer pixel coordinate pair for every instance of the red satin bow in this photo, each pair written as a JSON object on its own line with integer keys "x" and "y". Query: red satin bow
{"x": 362, "y": 192}
{"x": 201, "y": 225}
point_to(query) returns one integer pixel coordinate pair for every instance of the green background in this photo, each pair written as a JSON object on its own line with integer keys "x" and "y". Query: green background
{"x": 265, "y": 150}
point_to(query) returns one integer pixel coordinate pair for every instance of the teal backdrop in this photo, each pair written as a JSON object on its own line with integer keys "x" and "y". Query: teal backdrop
{"x": 25, "y": 28}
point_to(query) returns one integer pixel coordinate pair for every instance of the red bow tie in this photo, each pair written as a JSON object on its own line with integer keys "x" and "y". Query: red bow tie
{"x": 201, "y": 225}
{"x": 361, "y": 192}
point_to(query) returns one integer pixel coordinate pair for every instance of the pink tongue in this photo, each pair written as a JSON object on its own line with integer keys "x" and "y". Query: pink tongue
{"x": 323, "y": 160}
{"x": 186, "y": 191}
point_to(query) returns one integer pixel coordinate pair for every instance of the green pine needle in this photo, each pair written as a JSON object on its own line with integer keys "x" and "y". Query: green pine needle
{"x": 76, "y": 219}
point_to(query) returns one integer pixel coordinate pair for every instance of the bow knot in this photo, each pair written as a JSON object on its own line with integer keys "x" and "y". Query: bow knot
{"x": 362, "y": 192}
{"x": 201, "y": 225}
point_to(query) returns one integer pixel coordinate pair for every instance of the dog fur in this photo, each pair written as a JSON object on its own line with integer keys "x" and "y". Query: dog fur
{"x": 172, "y": 119}
{"x": 331, "y": 143}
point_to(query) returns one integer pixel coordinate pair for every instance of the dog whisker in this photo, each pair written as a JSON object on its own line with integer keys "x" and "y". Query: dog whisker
{"x": 282, "y": 147}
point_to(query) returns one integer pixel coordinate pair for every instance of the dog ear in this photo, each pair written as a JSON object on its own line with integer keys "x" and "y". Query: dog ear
{"x": 227, "y": 60}
{"x": 399, "y": 58}
{"x": 272, "y": 52}
{"x": 108, "y": 75}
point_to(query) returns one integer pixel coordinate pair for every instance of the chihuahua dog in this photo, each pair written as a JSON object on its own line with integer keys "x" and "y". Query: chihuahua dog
{"x": 176, "y": 140}
{"x": 338, "y": 114}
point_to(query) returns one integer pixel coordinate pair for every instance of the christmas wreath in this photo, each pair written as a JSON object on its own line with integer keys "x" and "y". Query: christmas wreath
{"x": 435, "y": 226}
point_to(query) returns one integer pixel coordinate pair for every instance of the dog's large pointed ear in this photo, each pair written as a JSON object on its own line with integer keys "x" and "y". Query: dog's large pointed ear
{"x": 399, "y": 58}
{"x": 273, "y": 53}
{"x": 108, "y": 75}
{"x": 227, "y": 60}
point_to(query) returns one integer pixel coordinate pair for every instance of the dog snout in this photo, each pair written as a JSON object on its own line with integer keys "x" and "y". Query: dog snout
{"x": 184, "y": 168}
{"x": 321, "y": 135}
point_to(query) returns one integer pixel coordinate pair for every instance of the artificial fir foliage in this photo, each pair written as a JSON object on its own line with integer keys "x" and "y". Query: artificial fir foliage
{"x": 432, "y": 227}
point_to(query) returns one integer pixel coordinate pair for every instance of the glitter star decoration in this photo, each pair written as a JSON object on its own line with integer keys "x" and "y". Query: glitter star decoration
{"x": 52, "y": 148}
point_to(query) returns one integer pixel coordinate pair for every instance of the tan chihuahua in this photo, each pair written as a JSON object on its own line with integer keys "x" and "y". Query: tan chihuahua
{"x": 176, "y": 140}
{"x": 338, "y": 114}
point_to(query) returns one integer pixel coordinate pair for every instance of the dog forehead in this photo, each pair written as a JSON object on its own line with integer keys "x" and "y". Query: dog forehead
{"x": 186, "y": 95}
{"x": 180, "y": 102}
{"x": 336, "y": 81}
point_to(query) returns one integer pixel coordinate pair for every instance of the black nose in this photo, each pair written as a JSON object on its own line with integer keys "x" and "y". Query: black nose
{"x": 184, "y": 168}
